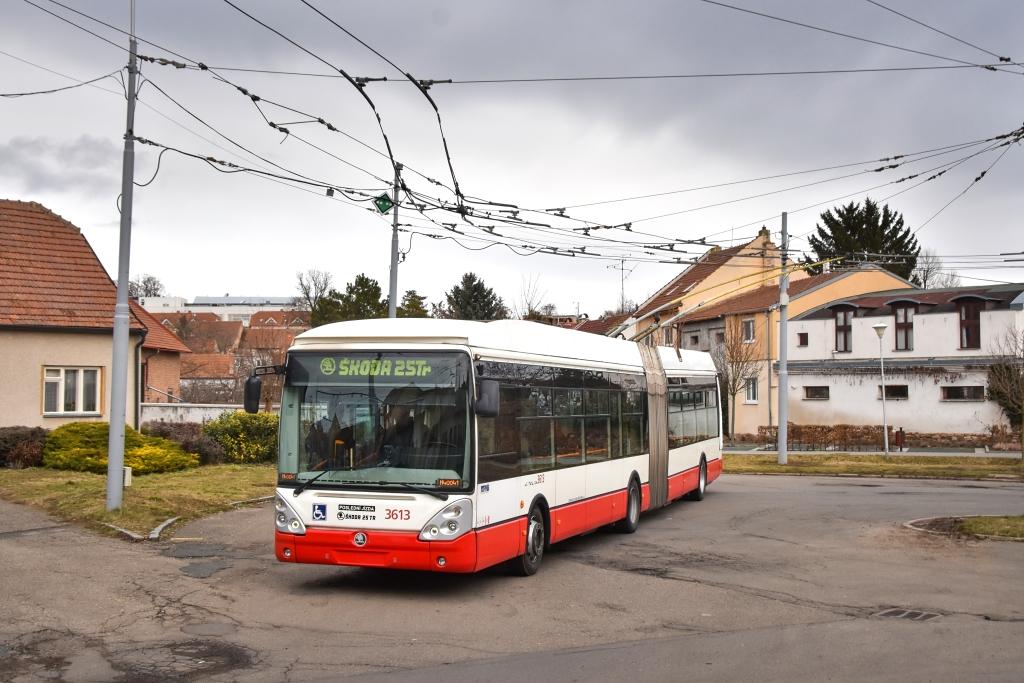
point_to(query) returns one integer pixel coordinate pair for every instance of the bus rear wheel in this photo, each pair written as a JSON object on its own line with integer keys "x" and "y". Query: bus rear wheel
{"x": 702, "y": 482}
{"x": 631, "y": 521}
{"x": 528, "y": 563}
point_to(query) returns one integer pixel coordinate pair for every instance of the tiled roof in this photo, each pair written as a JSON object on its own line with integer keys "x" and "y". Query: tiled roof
{"x": 49, "y": 275}
{"x": 157, "y": 336}
{"x": 203, "y": 335}
{"x": 696, "y": 273}
{"x": 268, "y": 338}
{"x": 928, "y": 300}
{"x": 279, "y": 319}
{"x": 602, "y": 325}
{"x": 761, "y": 298}
{"x": 208, "y": 366}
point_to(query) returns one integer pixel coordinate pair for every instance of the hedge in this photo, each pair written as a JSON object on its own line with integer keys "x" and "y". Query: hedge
{"x": 82, "y": 446}
{"x": 245, "y": 437}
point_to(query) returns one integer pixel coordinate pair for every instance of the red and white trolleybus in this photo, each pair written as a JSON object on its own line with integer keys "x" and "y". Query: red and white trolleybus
{"x": 453, "y": 446}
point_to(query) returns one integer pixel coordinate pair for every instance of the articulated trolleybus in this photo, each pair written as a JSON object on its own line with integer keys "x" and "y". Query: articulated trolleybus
{"x": 451, "y": 446}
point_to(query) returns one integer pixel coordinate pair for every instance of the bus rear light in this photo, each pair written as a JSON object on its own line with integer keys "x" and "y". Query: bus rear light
{"x": 454, "y": 520}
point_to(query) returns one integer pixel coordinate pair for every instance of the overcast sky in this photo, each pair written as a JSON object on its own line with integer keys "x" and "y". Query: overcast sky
{"x": 539, "y": 145}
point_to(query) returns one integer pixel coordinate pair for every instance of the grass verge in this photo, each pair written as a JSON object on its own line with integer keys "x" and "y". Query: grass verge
{"x": 879, "y": 465}
{"x": 1010, "y": 526}
{"x": 81, "y": 496}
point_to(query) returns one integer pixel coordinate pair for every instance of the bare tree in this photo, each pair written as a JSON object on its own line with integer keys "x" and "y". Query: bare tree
{"x": 930, "y": 272}
{"x": 145, "y": 285}
{"x": 528, "y": 305}
{"x": 736, "y": 361}
{"x": 1006, "y": 377}
{"x": 313, "y": 286}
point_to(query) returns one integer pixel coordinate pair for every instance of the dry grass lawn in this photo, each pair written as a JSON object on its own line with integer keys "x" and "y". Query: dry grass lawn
{"x": 878, "y": 465}
{"x": 81, "y": 496}
{"x": 1011, "y": 526}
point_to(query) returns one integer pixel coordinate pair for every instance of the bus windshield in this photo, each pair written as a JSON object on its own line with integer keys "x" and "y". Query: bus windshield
{"x": 376, "y": 418}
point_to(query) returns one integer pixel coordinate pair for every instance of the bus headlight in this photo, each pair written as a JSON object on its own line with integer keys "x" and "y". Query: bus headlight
{"x": 286, "y": 519}
{"x": 452, "y": 521}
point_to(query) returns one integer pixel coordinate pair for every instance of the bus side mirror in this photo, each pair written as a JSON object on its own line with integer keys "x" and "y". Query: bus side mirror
{"x": 253, "y": 389}
{"x": 486, "y": 398}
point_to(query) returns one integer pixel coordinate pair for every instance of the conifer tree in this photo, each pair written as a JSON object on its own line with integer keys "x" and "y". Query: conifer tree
{"x": 857, "y": 229}
{"x": 412, "y": 306}
{"x": 471, "y": 299}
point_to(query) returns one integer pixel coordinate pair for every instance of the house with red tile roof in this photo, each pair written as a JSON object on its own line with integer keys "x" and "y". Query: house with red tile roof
{"x": 56, "y": 323}
{"x": 717, "y": 274}
{"x": 280, "y": 319}
{"x": 750, "y": 320}
{"x": 161, "y": 360}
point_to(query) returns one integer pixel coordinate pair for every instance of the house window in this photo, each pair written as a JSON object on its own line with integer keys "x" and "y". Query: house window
{"x": 694, "y": 339}
{"x": 801, "y": 339}
{"x": 816, "y": 393}
{"x": 970, "y": 324}
{"x": 904, "y": 315}
{"x": 668, "y": 336}
{"x": 748, "y": 331}
{"x": 750, "y": 390}
{"x": 844, "y": 327}
{"x": 895, "y": 392}
{"x": 963, "y": 393}
{"x": 719, "y": 337}
{"x": 71, "y": 390}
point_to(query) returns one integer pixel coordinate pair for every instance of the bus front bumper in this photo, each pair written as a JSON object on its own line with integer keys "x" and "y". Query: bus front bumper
{"x": 383, "y": 549}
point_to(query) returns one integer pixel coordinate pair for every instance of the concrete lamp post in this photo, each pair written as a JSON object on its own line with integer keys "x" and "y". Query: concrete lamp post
{"x": 880, "y": 329}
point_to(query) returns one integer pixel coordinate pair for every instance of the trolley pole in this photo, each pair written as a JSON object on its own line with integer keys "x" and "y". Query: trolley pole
{"x": 783, "y": 431}
{"x": 119, "y": 361}
{"x": 393, "y": 288}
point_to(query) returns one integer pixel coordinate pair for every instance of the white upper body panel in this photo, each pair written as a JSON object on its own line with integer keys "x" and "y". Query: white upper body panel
{"x": 502, "y": 339}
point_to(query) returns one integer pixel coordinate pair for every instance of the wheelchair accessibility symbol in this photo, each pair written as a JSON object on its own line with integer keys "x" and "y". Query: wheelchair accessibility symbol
{"x": 319, "y": 512}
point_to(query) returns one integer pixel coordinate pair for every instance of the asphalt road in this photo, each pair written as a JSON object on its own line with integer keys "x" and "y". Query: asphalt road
{"x": 769, "y": 578}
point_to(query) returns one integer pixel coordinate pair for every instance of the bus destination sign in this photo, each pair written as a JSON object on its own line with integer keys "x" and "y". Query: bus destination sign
{"x": 376, "y": 367}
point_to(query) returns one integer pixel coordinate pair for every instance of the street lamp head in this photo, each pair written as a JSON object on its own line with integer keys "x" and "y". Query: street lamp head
{"x": 880, "y": 329}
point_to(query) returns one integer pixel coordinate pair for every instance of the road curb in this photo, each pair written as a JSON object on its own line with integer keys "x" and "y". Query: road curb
{"x": 871, "y": 476}
{"x": 130, "y": 535}
{"x": 154, "y": 535}
{"x": 913, "y": 526}
{"x": 250, "y": 501}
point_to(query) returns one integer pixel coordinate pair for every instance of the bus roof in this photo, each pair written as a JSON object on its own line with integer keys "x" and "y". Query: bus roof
{"x": 502, "y": 338}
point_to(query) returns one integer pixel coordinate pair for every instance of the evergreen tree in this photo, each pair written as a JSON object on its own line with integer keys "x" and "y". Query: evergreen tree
{"x": 360, "y": 300}
{"x": 471, "y": 299}
{"x": 413, "y": 306}
{"x": 857, "y": 228}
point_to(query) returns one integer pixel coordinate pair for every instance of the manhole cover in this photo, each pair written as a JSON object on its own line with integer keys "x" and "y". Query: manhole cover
{"x": 908, "y": 614}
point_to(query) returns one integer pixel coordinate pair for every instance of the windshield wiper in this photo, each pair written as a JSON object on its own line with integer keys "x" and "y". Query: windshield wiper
{"x": 299, "y": 489}
{"x": 414, "y": 487}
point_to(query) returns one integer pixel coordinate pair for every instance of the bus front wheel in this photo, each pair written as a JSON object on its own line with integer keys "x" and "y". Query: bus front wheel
{"x": 528, "y": 563}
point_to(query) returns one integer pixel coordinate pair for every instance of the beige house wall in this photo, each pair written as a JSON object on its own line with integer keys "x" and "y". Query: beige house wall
{"x": 756, "y": 265}
{"x": 750, "y": 416}
{"x": 24, "y": 355}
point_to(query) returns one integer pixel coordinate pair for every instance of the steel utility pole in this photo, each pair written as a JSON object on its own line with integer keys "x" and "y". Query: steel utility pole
{"x": 119, "y": 361}
{"x": 393, "y": 288}
{"x": 783, "y": 430}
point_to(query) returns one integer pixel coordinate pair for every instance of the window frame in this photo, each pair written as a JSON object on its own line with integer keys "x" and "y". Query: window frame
{"x": 972, "y": 307}
{"x": 844, "y": 330}
{"x": 967, "y": 399}
{"x": 753, "y": 331}
{"x": 888, "y": 390}
{"x": 802, "y": 339}
{"x": 61, "y": 383}
{"x": 906, "y": 326}
{"x": 826, "y": 397}
{"x": 748, "y": 383}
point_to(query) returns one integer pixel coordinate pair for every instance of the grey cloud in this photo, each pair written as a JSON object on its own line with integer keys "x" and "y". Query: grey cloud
{"x": 42, "y": 164}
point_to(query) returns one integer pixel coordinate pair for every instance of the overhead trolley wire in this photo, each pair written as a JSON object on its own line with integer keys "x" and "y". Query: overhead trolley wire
{"x": 61, "y": 89}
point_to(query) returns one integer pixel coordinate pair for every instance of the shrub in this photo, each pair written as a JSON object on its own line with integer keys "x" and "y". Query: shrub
{"x": 26, "y": 454}
{"x": 245, "y": 437}
{"x": 12, "y": 437}
{"x": 190, "y": 436}
{"x": 82, "y": 446}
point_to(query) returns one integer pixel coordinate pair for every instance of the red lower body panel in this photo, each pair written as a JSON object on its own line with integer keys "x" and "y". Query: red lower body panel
{"x": 684, "y": 482}
{"x": 714, "y": 469}
{"x": 577, "y": 518}
{"x": 385, "y": 549}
